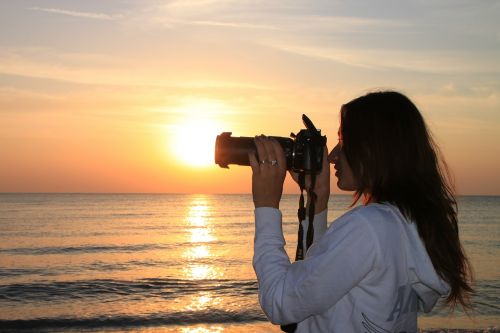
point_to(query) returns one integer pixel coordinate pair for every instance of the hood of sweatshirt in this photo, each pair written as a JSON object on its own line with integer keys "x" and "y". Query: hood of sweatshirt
{"x": 425, "y": 281}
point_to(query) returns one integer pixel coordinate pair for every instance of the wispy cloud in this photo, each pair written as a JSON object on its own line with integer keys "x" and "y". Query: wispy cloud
{"x": 434, "y": 61}
{"x": 89, "y": 15}
{"x": 232, "y": 25}
{"x": 102, "y": 69}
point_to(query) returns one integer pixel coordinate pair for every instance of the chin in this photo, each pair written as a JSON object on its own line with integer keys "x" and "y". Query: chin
{"x": 341, "y": 186}
{"x": 345, "y": 187}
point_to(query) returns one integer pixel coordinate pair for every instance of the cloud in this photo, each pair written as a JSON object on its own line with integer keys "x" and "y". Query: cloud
{"x": 240, "y": 25}
{"x": 57, "y": 65}
{"x": 424, "y": 61}
{"x": 402, "y": 43}
{"x": 69, "y": 68}
{"x": 210, "y": 13}
{"x": 89, "y": 15}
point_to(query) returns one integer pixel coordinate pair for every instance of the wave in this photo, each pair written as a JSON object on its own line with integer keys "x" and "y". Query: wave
{"x": 125, "y": 322}
{"x": 83, "y": 249}
{"x": 212, "y": 316}
{"x": 485, "y": 302}
{"x": 183, "y": 318}
{"x": 49, "y": 250}
{"x": 107, "y": 267}
{"x": 119, "y": 289}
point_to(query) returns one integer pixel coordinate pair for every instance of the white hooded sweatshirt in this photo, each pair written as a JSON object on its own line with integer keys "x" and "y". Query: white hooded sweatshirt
{"x": 368, "y": 272}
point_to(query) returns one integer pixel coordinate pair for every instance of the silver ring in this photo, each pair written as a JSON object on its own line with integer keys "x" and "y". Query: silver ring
{"x": 274, "y": 162}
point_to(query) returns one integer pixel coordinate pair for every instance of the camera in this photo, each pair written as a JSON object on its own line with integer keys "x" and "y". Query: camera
{"x": 303, "y": 151}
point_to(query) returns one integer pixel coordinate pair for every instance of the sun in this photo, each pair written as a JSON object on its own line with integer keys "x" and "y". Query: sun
{"x": 194, "y": 142}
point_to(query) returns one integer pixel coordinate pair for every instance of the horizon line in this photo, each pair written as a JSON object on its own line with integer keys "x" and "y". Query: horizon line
{"x": 189, "y": 193}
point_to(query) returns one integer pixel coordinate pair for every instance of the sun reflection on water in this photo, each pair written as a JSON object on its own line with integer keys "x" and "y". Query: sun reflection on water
{"x": 200, "y": 236}
{"x": 211, "y": 329}
{"x": 198, "y": 211}
{"x": 198, "y": 220}
{"x": 203, "y": 301}
{"x": 197, "y": 252}
{"x": 202, "y": 272}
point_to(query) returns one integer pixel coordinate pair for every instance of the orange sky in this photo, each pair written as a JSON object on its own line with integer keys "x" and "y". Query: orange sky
{"x": 98, "y": 97}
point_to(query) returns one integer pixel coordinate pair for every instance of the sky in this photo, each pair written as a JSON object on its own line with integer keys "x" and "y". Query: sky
{"x": 128, "y": 96}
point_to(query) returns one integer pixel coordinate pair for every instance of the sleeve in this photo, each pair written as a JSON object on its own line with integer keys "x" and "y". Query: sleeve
{"x": 292, "y": 292}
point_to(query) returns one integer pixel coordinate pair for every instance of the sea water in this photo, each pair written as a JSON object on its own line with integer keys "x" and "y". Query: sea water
{"x": 176, "y": 263}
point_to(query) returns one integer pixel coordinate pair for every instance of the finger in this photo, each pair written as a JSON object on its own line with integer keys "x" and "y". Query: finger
{"x": 279, "y": 153}
{"x": 254, "y": 164}
{"x": 261, "y": 151}
{"x": 324, "y": 175}
{"x": 268, "y": 148}
{"x": 325, "y": 157}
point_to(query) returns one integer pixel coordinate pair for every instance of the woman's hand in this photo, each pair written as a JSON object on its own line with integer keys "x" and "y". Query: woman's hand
{"x": 268, "y": 173}
{"x": 321, "y": 185}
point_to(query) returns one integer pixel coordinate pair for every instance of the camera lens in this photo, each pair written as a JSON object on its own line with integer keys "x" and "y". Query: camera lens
{"x": 235, "y": 150}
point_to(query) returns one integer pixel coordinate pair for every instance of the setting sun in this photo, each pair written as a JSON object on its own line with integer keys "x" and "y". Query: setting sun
{"x": 194, "y": 143}
{"x": 193, "y": 140}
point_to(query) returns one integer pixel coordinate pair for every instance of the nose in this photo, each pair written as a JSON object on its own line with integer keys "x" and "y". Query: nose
{"x": 333, "y": 157}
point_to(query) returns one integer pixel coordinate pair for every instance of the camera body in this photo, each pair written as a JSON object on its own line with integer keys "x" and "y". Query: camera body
{"x": 303, "y": 151}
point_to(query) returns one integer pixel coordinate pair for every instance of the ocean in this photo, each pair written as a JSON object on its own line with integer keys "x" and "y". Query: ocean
{"x": 177, "y": 263}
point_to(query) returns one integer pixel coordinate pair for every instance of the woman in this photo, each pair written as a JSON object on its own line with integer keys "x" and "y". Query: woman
{"x": 380, "y": 262}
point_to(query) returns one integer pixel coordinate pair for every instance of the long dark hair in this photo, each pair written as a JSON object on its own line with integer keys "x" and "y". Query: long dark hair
{"x": 394, "y": 159}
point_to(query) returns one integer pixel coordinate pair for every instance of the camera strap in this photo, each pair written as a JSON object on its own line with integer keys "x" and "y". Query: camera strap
{"x": 301, "y": 214}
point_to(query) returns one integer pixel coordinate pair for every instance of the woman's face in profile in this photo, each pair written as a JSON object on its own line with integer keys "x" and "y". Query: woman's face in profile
{"x": 343, "y": 172}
